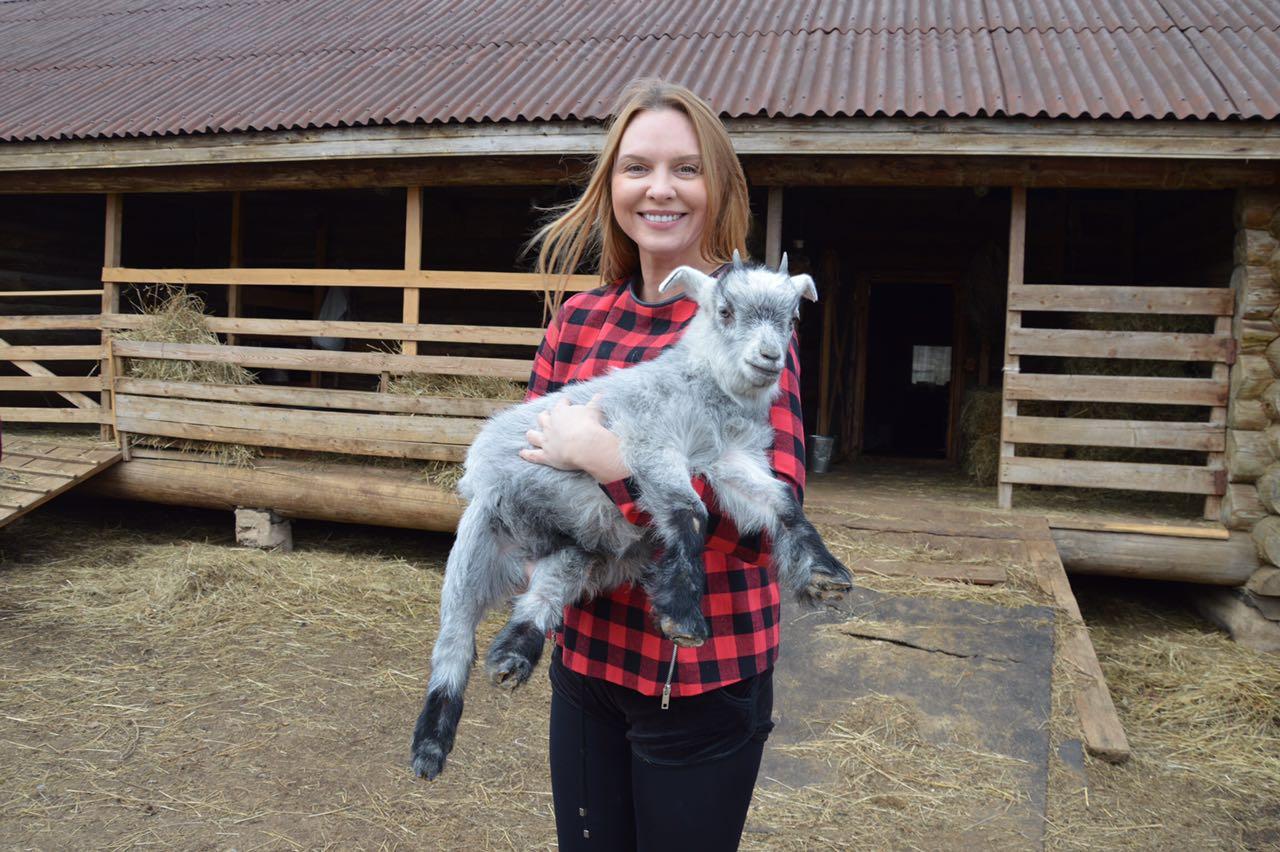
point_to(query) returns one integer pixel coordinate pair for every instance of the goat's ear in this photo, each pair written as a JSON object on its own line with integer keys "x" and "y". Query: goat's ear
{"x": 697, "y": 284}
{"x": 805, "y": 287}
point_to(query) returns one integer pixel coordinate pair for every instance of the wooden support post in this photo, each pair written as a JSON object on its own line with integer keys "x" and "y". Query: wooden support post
{"x": 412, "y": 261}
{"x": 114, "y": 228}
{"x": 1218, "y": 418}
{"x": 1013, "y": 321}
{"x": 234, "y": 307}
{"x": 773, "y": 228}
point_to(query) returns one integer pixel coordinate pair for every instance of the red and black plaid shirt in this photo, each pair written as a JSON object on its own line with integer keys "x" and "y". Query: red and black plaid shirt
{"x": 612, "y": 636}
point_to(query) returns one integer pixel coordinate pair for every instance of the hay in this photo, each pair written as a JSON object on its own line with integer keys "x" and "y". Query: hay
{"x": 174, "y": 315}
{"x": 980, "y": 427}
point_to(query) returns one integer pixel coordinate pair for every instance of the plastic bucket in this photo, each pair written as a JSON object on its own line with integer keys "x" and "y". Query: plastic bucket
{"x": 820, "y": 447}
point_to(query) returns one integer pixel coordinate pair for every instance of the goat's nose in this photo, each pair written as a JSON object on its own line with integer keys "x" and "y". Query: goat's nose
{"x": 770, "y": 353}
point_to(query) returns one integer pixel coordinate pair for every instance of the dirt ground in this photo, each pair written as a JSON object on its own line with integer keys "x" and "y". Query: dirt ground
{"x": 163, "y": 688}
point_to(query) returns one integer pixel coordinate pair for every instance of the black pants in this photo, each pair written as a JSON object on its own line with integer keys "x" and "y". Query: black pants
{"x": 628, "y": 775}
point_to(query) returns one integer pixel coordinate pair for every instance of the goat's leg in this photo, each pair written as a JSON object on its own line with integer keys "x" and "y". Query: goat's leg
{"x": 558, "y": 579}
{"x": 749, "y": 494}
{"x": 477, "y": 576}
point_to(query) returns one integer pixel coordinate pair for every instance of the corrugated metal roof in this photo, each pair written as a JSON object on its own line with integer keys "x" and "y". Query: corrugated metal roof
{"x": 152, "y": 67}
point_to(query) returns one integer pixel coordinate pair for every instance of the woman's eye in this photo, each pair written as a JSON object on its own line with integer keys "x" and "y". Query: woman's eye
{"x": 688, "y": 171}
{"x": 633, "y": 169}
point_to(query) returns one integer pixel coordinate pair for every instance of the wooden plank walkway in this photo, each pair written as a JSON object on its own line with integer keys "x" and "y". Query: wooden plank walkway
{"x": 32, "y": 471}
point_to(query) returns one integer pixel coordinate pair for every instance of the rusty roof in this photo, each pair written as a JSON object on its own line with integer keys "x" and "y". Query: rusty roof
{"x": 122, "y": 68}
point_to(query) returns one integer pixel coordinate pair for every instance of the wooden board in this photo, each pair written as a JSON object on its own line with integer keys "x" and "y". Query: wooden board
{"x": 54, "y": 415}
{"x": 34, "y": 472}
{"x": 397, "y": 278}
{"x": 1079, "y": 431}
{"x": 1104, "y": 736}
{"x": 1153, "y": 345}
{"x": 1213, "y": 301}
{"x": 1146, "y": 389}
{"x": 1125, "y": 476}
{"x": 490, "y": 334}
{"x": 51, "y": 322}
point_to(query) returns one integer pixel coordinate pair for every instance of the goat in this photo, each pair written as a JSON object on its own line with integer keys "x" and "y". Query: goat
{"x": 701, "y": 408}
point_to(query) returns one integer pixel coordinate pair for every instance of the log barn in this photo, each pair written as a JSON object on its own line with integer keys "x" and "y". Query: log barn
{"x": 1068, "y": 210}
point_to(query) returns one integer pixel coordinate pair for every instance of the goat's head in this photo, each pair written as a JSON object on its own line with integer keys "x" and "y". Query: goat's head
{"x": 744, "y": 321}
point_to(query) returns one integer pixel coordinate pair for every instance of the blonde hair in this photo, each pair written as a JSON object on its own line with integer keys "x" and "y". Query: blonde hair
{"x": 585, "y": 229}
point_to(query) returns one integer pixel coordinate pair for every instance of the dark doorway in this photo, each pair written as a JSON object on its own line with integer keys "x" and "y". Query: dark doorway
{"x": 910, "y": 362}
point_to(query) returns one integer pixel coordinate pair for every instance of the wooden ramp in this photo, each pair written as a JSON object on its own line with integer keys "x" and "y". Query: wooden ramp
{"x": 34, "y": 471}
{"x": 975, "y": 546}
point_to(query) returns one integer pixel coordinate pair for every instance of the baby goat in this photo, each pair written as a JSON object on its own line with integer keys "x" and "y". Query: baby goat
{"x": 699, "y": 409}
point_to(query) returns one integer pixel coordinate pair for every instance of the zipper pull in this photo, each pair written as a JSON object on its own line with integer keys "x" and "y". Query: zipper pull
{"x": 671, "y": 670}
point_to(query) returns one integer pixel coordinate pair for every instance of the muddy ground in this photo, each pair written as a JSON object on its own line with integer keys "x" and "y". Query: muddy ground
{"x": 163, "y": 688}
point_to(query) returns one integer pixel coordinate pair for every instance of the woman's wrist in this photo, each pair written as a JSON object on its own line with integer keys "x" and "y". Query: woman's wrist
{"x": 601, "y": 458}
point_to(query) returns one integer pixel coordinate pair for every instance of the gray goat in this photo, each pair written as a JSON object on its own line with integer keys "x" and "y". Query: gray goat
{"x": 701, "y": 408}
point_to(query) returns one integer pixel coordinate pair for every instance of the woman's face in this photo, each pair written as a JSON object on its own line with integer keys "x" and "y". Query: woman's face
{"x": 659, "y": 193}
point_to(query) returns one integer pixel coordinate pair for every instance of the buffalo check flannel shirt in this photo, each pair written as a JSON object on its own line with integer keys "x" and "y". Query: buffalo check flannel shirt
{"x": 612, "y": 636}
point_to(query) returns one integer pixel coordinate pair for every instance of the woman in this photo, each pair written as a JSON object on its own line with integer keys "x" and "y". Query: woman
{"x": 643, "y": 754}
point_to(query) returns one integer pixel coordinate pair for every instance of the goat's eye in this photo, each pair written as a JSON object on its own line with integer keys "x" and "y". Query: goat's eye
{"x": 726, "y": 313}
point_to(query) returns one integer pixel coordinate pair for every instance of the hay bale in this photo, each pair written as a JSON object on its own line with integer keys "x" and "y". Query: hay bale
{"x": 980, "y": 418}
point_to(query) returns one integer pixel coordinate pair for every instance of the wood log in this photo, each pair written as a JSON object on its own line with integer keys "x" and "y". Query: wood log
{"x": 1215, "y": 562}
{"x": 1247, "y": 626}
{"x": 1273, "y": 265}
{"x": 348, "y": 493}
{"x": 1268, "y": 486}
{"x": 1255, "y": 208}
{"x": 1266, "y": 537}
{"x": 1264, "y": 581}
{"x": 1272, "y": 354}
{"x": 1257, "y": 293}
{"x": 1248, "y": 455}
{"x": 1254, "y": 246}
{"x": 1255, "y": 335}
{"x": 1274, "y": 226}
{"x": 1267, "y": 605}
{"x": 1249, "y": 414}
{"x": 1250, "y": 376}
{"x": 1273, "y": 438}
{"x": 1241, "y": 507}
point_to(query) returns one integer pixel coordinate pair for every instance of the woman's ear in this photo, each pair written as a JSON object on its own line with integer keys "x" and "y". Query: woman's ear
{"x": 697, "y": 284}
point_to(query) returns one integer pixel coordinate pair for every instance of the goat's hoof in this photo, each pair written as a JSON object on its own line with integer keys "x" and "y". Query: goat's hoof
{"x": 428, "y": 759}
{"x": 828, "y": 583}
{"x": 691, "y": 634}
{"x": 508, "y": 669}
{"x": 514, "y": 654}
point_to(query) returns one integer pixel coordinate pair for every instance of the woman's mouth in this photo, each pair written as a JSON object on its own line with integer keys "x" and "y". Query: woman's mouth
{"x": 661, "y": 219}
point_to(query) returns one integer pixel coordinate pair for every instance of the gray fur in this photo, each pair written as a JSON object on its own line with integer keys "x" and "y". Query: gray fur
{"x": 699, "y": 409}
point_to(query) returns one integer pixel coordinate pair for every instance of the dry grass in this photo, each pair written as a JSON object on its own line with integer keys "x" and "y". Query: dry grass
{"x": 980, "y": 428}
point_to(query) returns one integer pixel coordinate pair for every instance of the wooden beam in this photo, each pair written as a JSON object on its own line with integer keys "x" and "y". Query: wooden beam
{"x": 1013, "y": 322}
{"x": 1156, "y": 390}
{"x": 51, "y": 322}
{"x": 50, "y": 353}
{"x": 38, "y": 384}
{"x": 1158, "y": 557}
{"x": 1126, "y": 476}
{"x": 52, "y": 415}
{"x": 395, "y": 278}
{"x": 1151, "y": 345}
{"x": 412, "y": 262}
{"x": 492, "y": 334}
{"x": 1211, "y": 301}
{"x": 236, "y": 258}
{"x": 1149, "y": 434}
{"x": 113, "y": 234}
{"x": 773, "y": 228}
{"x": 41, "y": 294}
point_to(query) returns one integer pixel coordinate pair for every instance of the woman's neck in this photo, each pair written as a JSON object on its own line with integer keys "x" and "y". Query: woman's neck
{"x": 654, "y": 270}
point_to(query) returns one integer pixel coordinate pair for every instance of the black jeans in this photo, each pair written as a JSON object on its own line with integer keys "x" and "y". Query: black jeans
{"x": 628, "y": 775}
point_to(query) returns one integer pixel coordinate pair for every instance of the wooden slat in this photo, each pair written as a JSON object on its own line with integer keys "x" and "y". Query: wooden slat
{"x": 1149, "y": 389}
{"x": 34, "y": 384}
{"x": 978, "y": 574}
{"x": 315, "y": 398}
{"x": 40, "y": 294}
{"x": 1208, "y": 301}
{"x": 1128, "y": 476}
{"x": 57, "y": 452}
{"x": 1148, "y": 434}
{"x": 1012, "y": 322}
{"x": 319, "y": 359}
{"x": 44, "y": 477}
{"x": 50, "y": 353}
{"x": 398, "y": 278}
{"x": 336, "y": 425}
{"x": 1140, "y": 527}
{"x": 1153, "y": 345}
{"x": 49, "y": 467}
{"x": 44, "y": 322}
{"x": 491, "y": 334}
{"x": 31, "y": 368}
{"x": 52, "y": 415}
{"x": 259, "y": 438}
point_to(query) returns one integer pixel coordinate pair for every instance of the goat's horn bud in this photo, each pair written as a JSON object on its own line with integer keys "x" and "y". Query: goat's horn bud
{"x": 737, "y": 260}
{"x": 782, "y": 267}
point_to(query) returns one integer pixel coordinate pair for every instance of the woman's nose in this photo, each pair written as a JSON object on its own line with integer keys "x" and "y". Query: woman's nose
{"x": 661, "y": 187}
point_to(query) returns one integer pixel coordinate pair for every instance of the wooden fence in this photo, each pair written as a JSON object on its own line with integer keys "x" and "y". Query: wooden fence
{"x": 1207, "y": 436}
{"x": 31, "y": 360}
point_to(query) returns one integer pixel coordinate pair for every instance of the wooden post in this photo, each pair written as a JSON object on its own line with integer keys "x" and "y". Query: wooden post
{"x": 1218, "y": 418}
{"x": 237, "y": 259}
{"x": 1013, "y": 321}
{"x": 114, "y": 228}
{"x": 412, "y": 261}
{"x": 773, "y": 228}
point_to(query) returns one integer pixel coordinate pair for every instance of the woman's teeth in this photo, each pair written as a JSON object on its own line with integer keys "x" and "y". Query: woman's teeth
{"x": 661, "y": 217}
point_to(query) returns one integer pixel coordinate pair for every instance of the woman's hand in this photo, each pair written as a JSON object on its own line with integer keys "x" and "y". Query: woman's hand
{"x": 573, "y": 437}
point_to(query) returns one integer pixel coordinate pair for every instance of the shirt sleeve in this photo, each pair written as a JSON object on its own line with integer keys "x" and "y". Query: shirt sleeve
{"x": 542, "y": 379}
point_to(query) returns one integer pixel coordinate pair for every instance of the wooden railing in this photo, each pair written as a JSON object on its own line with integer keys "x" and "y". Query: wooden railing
{"x": 40, "y": 379}
{"x": 1207, "y": 436}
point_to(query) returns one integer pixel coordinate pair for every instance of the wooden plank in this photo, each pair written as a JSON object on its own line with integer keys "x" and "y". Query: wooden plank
{"x": 1100, "y": 726}
{"x": 412, "y": 307}
{"x": 490, "y": 334}
{"x": 55, "y": 475}
{"x": 51, "y": 353}
{"x": 44, "y": 467}
{"x": 1012, "y": 322}
{"x": 395, "y": 427}
{"x": 1149, "y": 434}
{"x": 920, "y": 518}
{"x": 1128, "y": 476}
{"x": 31, "y": 368}
{"x": 316, "y": 398}
{"x": 980, "y": 575}
{"x": 58, "y": 452}
{"x": 1057, "y": 522}
{"x": 395, "y": 278}
{"x": 46, "y": 322}
{"x": 1208, "y": 301}
{"x": 51, "y": 415}
{"x": 35, "y": 384}
{"x": 320, "y": 359}
{"x": 1152, "y": 345}
{"x": 1148, "y": 389}
{"x": 773, "y": 227}
{"x": 41, "y": 294}
{"x": 286, "y": 440}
